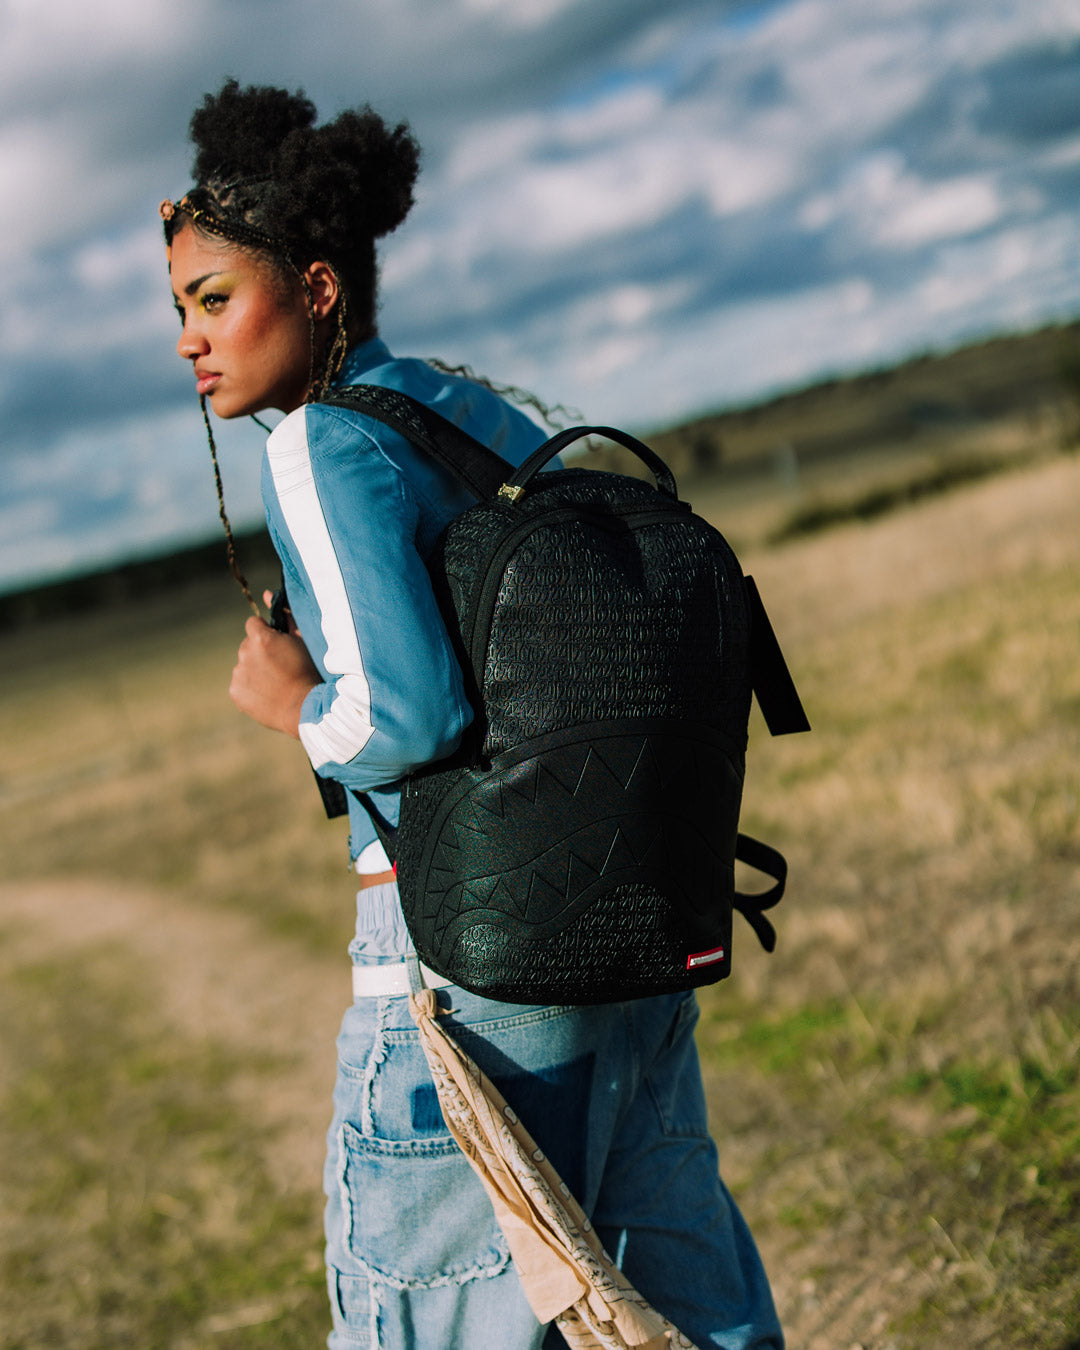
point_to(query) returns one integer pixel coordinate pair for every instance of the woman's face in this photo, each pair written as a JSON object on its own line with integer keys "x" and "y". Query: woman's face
{"x": 246, "y": 329}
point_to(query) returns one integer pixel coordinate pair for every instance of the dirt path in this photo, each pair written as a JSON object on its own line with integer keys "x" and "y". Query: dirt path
{"x": 220, "y": 977}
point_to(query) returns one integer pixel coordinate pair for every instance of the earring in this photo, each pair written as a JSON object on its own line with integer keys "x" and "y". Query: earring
{"x": 335, "y": 357}
{"x": 335, "y": 354}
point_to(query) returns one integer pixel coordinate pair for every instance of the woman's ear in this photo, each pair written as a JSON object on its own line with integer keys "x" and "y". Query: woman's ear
{"x": 323, "y": 287}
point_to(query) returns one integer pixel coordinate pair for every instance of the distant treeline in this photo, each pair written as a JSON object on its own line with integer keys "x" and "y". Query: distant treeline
{"x": 120, "y": 584}
{"x": 933, "y": 400}
{"x": 929, "y": 401}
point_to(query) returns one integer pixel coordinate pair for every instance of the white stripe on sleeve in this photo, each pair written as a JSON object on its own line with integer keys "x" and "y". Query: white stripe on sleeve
{"x": 346, "y": 727}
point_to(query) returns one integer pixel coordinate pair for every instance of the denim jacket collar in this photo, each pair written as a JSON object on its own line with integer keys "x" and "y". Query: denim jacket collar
{"x": 363, "y": 357}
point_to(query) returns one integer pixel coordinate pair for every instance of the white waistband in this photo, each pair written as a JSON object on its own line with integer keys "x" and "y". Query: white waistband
{"x": 374, "y": 981}
{"x": 372, "y": 858}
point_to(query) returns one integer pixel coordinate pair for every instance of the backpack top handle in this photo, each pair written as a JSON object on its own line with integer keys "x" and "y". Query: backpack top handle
{"x": 519, "y": 479}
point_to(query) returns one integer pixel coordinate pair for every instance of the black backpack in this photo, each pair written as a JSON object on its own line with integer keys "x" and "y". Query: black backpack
{"x": 579, "y": 846}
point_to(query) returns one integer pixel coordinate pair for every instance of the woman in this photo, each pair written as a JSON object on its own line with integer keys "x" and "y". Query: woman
{"x": 272, "y": 260}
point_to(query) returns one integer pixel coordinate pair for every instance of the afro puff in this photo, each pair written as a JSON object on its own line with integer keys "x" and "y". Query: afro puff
{"x": 318, "y": 192}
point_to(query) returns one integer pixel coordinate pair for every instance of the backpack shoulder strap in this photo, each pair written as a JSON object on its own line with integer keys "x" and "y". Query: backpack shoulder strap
{"x": 777, "y": 696}
{"x": 479, "y": 469}
{"x": 765, "y": 859}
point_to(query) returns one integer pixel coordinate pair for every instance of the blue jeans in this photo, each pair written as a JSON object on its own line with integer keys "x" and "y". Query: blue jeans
{"x": 612, "y": 1094}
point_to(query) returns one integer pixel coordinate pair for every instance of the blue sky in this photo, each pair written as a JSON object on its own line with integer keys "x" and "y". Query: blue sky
{"x": 643, "y": 210}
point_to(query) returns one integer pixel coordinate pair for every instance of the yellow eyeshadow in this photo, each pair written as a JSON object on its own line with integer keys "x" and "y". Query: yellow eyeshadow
{"x": 218, "y": 285}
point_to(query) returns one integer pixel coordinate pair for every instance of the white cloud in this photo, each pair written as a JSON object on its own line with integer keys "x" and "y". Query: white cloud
{"x": 881, "y": 198}
{"x": 624, "y": 112}
{"x": 1062, "y": 155}
{"x": 641, "y": 209}
{"x": 43, "y": 182}
{"x": 103, "y": 264}
{"x": 518, "y": 13}
{"x": 550, "y": 187}
{"x": 612, "y": 355}
{"x": 552, "y": 183}
{"x": 941, "y": 211}
{"x": 78, "y": 41}
{"x": 488, "y": 149}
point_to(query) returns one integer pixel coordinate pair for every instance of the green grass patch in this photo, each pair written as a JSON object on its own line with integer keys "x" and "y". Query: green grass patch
{"x": 138, "y": 1208}
{"x": 969, "y": 1168}
{"x": 1012, "y": 1138}
{"x": 1028, "y": 1100}
{"x": 780, "y": 1043}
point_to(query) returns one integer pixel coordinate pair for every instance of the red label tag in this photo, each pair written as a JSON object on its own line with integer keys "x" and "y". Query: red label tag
{"x": 696, "y": 959}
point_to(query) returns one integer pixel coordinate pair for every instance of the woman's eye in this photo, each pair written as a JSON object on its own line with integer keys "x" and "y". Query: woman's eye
{"x": 212, "y": 301}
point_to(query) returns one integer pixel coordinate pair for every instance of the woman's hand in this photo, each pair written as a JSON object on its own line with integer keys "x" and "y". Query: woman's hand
{"x": 272, "y": 677}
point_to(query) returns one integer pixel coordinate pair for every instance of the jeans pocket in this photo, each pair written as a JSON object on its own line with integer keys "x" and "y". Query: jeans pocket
{"x": 414, "y": 1212}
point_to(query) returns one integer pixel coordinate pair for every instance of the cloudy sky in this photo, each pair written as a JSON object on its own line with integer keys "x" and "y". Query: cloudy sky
{"x": 644, "y": 208}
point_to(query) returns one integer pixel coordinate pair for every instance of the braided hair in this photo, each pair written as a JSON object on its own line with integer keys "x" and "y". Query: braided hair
{"x": 269, "y": 180}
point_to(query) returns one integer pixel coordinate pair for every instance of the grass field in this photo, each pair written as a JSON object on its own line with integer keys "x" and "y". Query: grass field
{"x": 895, "y": 1092}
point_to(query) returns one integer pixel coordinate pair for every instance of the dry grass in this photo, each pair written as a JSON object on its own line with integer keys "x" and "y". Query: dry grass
{"x": 906, "y": 1106}
{"x": 896, "y": 1091}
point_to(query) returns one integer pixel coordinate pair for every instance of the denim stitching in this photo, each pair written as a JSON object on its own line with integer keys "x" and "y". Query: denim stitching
{"x": 485, "y": 1027}
{"x": 376, "y": 1316}
{"x": 343, "y": 1190}
{"x": 378, "y": 1054}
{"x": 459, "y": 1277}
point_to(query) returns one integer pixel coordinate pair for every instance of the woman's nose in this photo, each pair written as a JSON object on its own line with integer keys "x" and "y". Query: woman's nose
{"x": 191, "y": 344}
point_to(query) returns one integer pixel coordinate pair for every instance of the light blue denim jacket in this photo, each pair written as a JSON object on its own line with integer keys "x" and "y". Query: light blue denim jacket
{"x": 353, "y": 511}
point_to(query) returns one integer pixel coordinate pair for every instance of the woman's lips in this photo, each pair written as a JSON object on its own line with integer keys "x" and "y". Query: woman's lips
{"x": 205, "y": 381}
